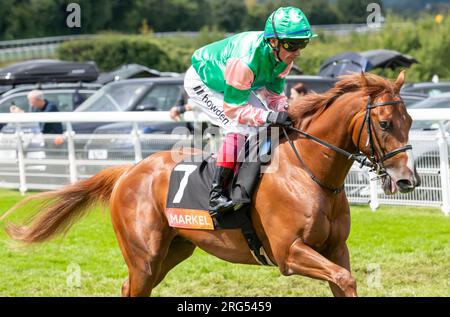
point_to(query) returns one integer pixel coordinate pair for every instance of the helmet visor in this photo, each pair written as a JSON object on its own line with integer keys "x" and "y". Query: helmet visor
{"x": 293, "y": 45}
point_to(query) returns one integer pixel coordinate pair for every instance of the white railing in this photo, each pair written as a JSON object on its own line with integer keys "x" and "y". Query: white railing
{"x": 25, "y": 165}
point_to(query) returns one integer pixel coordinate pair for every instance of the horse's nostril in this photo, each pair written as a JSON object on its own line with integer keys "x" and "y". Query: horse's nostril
{"x": 405, "y": 184}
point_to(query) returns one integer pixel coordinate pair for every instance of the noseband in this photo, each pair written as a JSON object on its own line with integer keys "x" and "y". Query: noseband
{"x": 371, "y": 161}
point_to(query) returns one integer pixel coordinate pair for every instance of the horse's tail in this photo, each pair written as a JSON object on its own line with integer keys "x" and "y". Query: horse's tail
{"x": 59, "y": 209}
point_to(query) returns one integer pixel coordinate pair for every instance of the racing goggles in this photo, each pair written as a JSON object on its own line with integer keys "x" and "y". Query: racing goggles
{"x": 293, "y": 45}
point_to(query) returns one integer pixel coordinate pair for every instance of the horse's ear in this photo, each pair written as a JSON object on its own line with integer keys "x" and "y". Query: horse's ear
{"x": 399, "y": 81}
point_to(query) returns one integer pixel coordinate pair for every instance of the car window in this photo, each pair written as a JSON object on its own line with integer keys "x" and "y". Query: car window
{"x": 432, "y": 103}
{"x": 161, "y": 98}
{"x": 63, "y": 100}
{"x": 113, "y": 97}
{"x": 409, "y": 101}
{"x": 430, "y": 91}
{"x": 20, "y": 101}
{"x": 418, "y": 90}
{"x": 105, "y": 103}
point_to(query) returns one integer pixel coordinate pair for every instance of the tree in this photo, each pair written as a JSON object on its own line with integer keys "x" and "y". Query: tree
{"x": 5, "y": 13}
{"x": 230, "y": 14}
{"x": 321, "y": 12}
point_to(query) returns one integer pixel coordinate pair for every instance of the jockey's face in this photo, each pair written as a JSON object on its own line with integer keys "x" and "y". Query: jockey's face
{"x": 286, "y": 56}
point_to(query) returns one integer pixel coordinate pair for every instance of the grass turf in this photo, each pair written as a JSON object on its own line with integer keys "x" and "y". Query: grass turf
{"x": 396, "y": 251}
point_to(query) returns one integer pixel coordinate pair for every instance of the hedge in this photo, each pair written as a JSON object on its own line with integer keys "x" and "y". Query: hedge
{"x": 112, "y": 51}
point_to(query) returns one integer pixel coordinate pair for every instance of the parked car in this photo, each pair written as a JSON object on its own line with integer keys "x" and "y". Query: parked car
{"x": 144, "y": 95}
{"x": 410, "y": 98}
{"x": 147, "y": 94}
{"x": 63, "y": 83}
{"x": 426, "y": 154}
{"x": 433, "y": 102}
{"x": 427, "y": 88}
{"x": 67, "y": 96}
{"x": 155, "y": 94}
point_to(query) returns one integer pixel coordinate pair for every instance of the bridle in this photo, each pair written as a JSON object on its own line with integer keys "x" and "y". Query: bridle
{"x": 371, "y": 161}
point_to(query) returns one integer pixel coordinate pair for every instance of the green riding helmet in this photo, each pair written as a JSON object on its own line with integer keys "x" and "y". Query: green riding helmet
{"x": 288, "y": 23}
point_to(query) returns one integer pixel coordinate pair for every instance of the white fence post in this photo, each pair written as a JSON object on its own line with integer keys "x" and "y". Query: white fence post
{"x": 136, "y": 143}
{"x": 21, "y": 160}
{"x": 374, "y": 202}
{"x": 71, "y": 153}
{"x": 444, "y": 169}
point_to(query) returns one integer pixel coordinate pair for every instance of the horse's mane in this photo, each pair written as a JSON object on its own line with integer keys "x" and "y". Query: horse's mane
{"x": 303, "y": 110}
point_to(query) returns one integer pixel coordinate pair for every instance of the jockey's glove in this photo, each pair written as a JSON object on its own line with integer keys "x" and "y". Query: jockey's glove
{"x": 279, "y": 118}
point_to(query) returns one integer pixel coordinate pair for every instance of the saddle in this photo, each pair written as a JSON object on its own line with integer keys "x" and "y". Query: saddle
{"x": 189, "y": 188}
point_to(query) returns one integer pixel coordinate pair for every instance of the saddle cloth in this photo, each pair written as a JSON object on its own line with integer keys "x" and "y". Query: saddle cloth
{"x": 188, "y": 201}
{"x": 188, "y": 196}
{"x": 189, "y": 188}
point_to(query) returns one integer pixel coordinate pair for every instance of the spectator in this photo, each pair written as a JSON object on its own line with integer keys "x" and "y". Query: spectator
{"x": 176, "y": 111}
{"x": 298, "y": 90}
{"x": 39, "y": 104}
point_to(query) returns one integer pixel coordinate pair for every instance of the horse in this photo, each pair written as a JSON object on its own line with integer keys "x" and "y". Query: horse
{"x": 302, "y": 222}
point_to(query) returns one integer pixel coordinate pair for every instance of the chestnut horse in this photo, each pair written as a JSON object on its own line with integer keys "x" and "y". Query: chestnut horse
{"x": 302, "y": 225}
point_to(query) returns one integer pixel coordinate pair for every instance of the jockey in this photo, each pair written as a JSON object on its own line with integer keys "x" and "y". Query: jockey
{"x": 224, "y": 73}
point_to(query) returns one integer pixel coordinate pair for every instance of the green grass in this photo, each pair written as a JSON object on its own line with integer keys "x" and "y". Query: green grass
{"x": 408, "y": 247}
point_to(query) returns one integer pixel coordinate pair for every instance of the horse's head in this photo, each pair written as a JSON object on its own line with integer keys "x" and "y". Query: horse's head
{"x": 380, "y": 131}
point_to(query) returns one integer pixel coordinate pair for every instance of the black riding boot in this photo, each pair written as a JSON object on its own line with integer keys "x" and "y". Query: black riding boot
{"x": 219, "y": 203}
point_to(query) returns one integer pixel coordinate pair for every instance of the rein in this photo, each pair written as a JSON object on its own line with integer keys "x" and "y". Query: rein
{"x": 374, "y": 164}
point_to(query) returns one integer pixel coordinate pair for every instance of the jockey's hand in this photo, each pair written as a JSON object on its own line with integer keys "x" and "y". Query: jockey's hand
{"x": 279, "y": 118}
{"x": 174, "y": 114}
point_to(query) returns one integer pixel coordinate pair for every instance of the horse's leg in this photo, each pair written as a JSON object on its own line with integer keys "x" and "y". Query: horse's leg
{"x": 144, "y": 238}
{"x": 303, "y": 260}
{"x": 180, "y": 249}
{"x": 145, "y": 265}
{"x": 341, "y": 257}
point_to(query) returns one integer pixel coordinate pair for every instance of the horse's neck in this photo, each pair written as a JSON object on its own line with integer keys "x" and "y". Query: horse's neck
{"x": 332, "y": 126}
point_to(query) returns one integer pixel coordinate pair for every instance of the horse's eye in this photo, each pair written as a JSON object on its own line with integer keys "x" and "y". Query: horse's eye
{"x": 385, "y": 125}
